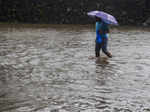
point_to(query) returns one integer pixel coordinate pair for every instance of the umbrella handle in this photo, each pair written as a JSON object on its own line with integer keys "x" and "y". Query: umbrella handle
{"x": 110, "y": 38}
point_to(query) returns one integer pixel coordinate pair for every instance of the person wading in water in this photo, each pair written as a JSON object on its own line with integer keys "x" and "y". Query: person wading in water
{"x": 102, "y": 31}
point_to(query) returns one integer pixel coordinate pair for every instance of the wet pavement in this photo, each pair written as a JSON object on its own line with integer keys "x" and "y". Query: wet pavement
{"x": 48, "y": 68}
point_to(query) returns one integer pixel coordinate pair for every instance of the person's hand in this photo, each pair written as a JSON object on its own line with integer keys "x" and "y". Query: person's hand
{"x": 103, "y": 31}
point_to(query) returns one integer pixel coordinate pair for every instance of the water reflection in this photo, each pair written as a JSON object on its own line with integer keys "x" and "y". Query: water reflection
{"x": 49, "y": 69}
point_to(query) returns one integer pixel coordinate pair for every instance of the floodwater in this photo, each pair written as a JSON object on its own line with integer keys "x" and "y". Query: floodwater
{"x": 48, "y": 68}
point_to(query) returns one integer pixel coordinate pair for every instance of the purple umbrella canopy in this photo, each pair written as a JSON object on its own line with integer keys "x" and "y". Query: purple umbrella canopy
{"x": 107, "y": 18}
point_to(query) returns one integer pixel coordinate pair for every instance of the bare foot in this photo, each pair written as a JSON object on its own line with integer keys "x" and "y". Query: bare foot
{"x": 92, "y": 57}
{"x": 109, "y": 55}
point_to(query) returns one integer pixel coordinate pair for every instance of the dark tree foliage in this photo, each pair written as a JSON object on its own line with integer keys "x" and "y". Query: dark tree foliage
{"x": 70, "y": 11}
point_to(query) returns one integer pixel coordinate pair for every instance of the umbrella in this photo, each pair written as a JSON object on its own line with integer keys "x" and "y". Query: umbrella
{"x": 107, "y": 18}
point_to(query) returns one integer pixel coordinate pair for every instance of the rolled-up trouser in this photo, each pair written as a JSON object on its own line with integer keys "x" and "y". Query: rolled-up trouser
{"x": 102, "y": 45}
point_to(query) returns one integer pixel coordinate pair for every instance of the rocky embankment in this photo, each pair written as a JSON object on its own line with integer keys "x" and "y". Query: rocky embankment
{"x": 73, "y": 11}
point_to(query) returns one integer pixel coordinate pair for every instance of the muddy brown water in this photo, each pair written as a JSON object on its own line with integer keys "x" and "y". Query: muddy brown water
{"x": 47, "y": 68}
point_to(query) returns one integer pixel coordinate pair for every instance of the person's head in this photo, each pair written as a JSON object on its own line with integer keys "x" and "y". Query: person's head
{"x": 98, "y": 19}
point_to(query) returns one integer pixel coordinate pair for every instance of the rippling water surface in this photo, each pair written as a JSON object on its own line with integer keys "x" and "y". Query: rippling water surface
{"x": 50, "y": 69}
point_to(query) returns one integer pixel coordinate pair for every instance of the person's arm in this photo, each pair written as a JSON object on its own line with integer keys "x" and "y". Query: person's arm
{"x": 101, "y": 31}
{"x": 105, "y": 29}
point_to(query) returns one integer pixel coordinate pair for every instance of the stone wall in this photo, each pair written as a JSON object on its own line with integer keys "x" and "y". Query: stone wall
{"x": 71, "y": 11}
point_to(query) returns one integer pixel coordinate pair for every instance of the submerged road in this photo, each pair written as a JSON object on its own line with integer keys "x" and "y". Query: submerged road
{"x": 49, "y": 69}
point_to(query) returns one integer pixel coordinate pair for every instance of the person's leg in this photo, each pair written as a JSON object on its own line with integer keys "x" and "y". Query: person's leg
{"x": 104, "y": 47}
{"x": 97, "y": 49}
